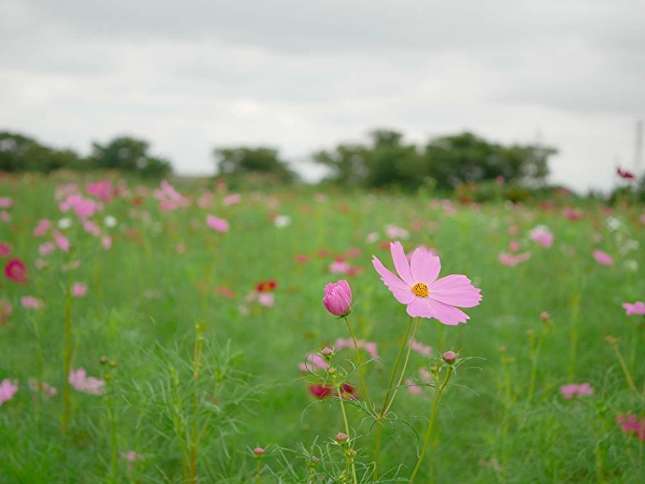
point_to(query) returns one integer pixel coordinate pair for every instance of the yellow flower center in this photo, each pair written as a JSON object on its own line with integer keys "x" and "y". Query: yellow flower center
{"x": 420, "y": 289}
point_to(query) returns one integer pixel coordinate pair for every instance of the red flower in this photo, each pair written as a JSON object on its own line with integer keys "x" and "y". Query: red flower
{"x": 16, "y": 270}
{"x": 266, "y": 286}
{"x": 625, "y": 174}
{"x": 320, "y": 391}
{"x": 348, "y": 391}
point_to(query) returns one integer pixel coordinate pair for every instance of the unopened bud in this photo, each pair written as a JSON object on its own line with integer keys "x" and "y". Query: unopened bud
{"x": 544, "y": 316}
{"x": 449, "y": 357}
{"x": 103, "y": 360}
{"x": 259, "y": 451}
{"x": 342, "y": 437}
{"x": 327, "y": 352}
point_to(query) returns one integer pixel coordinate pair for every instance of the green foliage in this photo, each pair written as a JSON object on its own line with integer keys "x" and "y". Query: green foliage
{"x": 21, "y": 153}
{"x": 449, "y": 161}
{"x": 241, "y": 161}
{"x": 131, "y": 155}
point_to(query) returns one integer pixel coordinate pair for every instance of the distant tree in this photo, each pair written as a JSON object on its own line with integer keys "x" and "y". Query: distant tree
{"x": 129, "y": 155}
{"x": 23, "y": 153}
{"x": 242, "y": 161}
{"x": 468, "y": 158}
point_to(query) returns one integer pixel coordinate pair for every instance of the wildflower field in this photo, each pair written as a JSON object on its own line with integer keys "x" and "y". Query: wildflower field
{"x": 178, "y": 333}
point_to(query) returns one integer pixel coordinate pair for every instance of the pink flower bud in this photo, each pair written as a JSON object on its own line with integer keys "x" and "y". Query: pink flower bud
{"x": 449, "y": 357}
{"x": 341, "y": 437}
{"x": 338, "y": 298}
{"x": 259, "y": 451}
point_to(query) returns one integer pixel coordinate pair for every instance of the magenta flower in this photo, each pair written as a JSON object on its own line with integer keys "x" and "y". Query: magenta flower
{"x": 630, "y": 424}
{"x": 102, "y": 189}
{"x": 541, "y": 235}
{"x": 603, "y": 258}
{"x": 634, "y": 309}
{"x": 419, "y": 289}
{"x": 576, "y": 390}
{"x": 86, "y": 384}
{"x": 31, "y": 302}
{"x": 79, "y": 289}
{"x": 16, "y": 270}
{"x": 217, "y": 224}
{"x": 8, "y": 389}
{"x": 82, "y": 207}
{"x": 337, "y": 298}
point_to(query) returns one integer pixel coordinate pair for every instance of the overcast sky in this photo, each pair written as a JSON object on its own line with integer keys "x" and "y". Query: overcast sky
{"x": 301, "y": 75}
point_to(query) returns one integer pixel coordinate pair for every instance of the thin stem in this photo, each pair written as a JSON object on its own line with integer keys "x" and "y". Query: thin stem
{"x": 628, "y": 376}
{"x": 68, "y": 354}
{"x": 431, "y": 423}
{"x": 350, "y": 460}
{"x": 194, "y": 433}
{"x": 359, "y": 360}
{"x": 389, "y": 404}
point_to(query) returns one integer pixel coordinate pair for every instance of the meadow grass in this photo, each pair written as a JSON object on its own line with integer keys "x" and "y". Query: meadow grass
{"x": 195, "y": 380}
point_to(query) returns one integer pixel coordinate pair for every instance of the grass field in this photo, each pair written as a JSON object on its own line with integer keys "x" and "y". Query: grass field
{"x": 196, "y": 372}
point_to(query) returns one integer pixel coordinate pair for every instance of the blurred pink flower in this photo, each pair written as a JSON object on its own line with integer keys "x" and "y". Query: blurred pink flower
{"x": 46, "y": 248}
{"x": 419, "y": 289}
{"x": 514, "y": 246}
{"x": 16, "y": 271}
{"x": 420, "y": 348}
{"x": 217, "y": 224}
{"x": 576, "y": 390}
{"x": 413, "y": 387}
{"x": 42, "y": 227}
{"x": 265, "y": 299}
{"x": 634, "y": 309}
{"x": 511, "y": 260}
{"x": 82, "y": 207}
{"x": 337, "y": 298}
{"x": 92, "y": 228}
{"x": 6, "y": 202}
{"x": 572, "y": 214}
{"x": 42, "y": 387}
{"x": 396, "y": 232}
{"x": 79, "y": 289}
{"x": 169, "y": 198}
{"x": 131, "y": 456}
{"x": 542, "y": 236}
{"x": 106, "y": 242}
{"x": 313, "y": 361}
{"x": 61, "y": 241}
{"x": 5, "y": 216}
{"x": 368, "y": 346}
{"x": 8, "y": 389}
{"x": 102, "y": 189}
{"x": 86, "y": 384}
{"x": 205, "y": 200}
{"x": 339, "y": 266}
{"x": 232, "y": 199}
{"x": 31, "y": 302}
{"x": 631, "y": 424}
{"x": 5, "y": 249}
{"x": 603, "y": 258}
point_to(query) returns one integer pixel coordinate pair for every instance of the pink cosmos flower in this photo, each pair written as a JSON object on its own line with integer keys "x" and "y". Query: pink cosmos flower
{"x": 5, "y": 216}
{"x": 31, "y": 302}
{"x": 603, "y": 258}
{"x": 86, "y": 384}
{"x": 419, "y": 289}
{"x": 542, "y": 236}
{"x": 413, "y": 387}
{"x": 576, "y": 390}
{"x": 511, "y": 260}
{"x": 232, "y": 199}
{"x": 106, "y": 242}
{"x": 43, "y": 226}
{"x": 92, "y": 228}
{"x": 169, "y": 198}
{"x": 42, "y": 387}
{"x": 61, "y": 241}
{"x": 5, "y": 249}
{"x": 514, "y": 246}
{"x": 313, "y": 361}
{"x": 6, "y": 202}
{"x": 102, "y": 189}
{"x": 634, "y": 309}
{"x": 16, "y": 271}
{"x": 339, "y": 266}
{"x": 368, "y": 346}
{"x": 217, "y": 224}
{"x": 79, "y": 289}
{"x": 396, "y": 232}
{"x": 420, "y": 348}
{"x": 266, "y": 299}
{"x": 82, "y": 207}
{"x": 337, "y": 298}
{"x": 8, "y": 389}
{"x": 46, "y": 248}
{"x": 631, "y": 424}
{"x": 572, "y": 214}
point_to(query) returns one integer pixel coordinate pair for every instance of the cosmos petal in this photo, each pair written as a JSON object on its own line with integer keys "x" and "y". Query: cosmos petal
{"x": 397, "y": 287}
{"x": 447, "y": 314}
{"x": 424, "y": 266}
{"x": 401, "y": 263}
{"x": 455, "y": 290}
{"x": 419, "y": 308}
